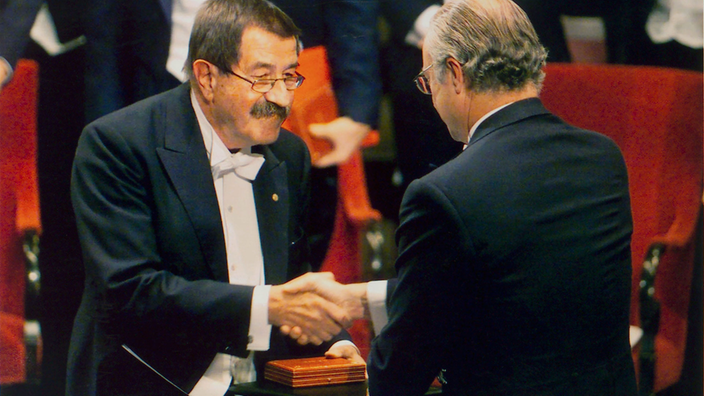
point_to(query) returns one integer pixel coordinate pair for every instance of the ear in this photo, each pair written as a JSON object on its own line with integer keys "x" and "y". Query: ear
{"x": 456, "y": 74}
{"x": 206, "y": 76}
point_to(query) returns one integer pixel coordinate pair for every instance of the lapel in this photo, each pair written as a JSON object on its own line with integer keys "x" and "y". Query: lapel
{"x": 271, "y": 196}
{"x": 185, "y": 162}
{"x": 511, "y": 114}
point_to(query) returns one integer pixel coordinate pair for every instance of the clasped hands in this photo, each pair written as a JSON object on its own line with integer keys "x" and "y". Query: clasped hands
{"x": 314, "y": 307}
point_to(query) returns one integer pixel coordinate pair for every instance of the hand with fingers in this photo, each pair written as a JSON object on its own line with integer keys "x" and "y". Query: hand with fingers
{"x": 296, "y": 305}
{"x": 350, "y": 298}
{"x": 345, "y": 135}
{"x": 347, "y": 351}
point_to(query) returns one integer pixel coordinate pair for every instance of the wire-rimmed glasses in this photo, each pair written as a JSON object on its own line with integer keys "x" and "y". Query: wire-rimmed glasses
{"x": 264, "y": 85}
{"x": 422, "y": 81}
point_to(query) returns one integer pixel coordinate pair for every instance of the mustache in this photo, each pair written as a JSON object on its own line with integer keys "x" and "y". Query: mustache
{"x": 269, "y": 109}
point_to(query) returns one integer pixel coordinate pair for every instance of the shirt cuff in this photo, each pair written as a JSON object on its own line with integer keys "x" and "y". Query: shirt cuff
{"x": 421, "y": 26}
{"x": 376, "y": 300}
{"x": 8, "y": 67}
{"x": 259, "y": 327}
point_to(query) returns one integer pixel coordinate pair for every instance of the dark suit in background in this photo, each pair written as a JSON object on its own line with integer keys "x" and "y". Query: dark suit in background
{"x": 147, "y": 165}
{"x": 127, "y": 48}
{"x": 16, "y": 19}
{"x": 422, "y": 141}
{"x": 514, "y": 267}
{"x": 348, "y": 31}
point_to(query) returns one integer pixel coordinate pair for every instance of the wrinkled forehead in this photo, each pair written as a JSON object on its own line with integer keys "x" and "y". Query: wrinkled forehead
{"x": 261, "y": 49}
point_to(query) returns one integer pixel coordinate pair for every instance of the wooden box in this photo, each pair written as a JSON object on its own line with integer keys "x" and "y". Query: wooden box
{"x": 316, "y": 371}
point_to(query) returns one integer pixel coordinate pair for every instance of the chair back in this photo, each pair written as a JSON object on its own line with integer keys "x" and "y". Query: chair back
{"x": 19, "y": 211}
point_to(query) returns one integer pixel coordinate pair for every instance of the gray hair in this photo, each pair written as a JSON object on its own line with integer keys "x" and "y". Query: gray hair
{"x": 219, "y": 25}
{"x": 492, "y": 39}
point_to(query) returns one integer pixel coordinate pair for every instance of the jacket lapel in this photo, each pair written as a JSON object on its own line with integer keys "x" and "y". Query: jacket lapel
{"x": 271, "y": 196}
{"x": 186, "y": 163}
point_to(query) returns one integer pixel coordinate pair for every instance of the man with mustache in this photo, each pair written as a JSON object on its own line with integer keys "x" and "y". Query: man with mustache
{"x": 189, "y": 205}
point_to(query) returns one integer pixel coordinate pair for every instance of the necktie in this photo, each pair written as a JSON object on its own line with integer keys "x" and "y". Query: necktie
{"x": 245, "y": 166}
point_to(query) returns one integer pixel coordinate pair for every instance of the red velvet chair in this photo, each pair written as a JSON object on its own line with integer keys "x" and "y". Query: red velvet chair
{"x": 19, "y": 211}
{"x": 655, "y": 116}
{"x": 315, "y": 103}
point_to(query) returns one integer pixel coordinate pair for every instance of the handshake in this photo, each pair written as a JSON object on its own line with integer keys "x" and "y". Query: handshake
{"x": 314, "y": 307}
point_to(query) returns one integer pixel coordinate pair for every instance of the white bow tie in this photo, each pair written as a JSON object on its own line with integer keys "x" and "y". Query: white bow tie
{"x": 245, "y": 166}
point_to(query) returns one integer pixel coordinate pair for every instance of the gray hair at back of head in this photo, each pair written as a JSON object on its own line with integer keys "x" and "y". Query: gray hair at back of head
{"x": 219, "y": 25}
{"x": 493, "y": 40}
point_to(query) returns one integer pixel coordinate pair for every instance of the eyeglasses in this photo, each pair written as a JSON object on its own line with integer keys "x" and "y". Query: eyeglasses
{"x": 265, "y": 85}
{"x": 422, "y": 81}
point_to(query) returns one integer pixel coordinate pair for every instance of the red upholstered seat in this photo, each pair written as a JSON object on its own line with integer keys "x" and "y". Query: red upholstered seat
{"x": 655, "y": 116}
{"x": 19, "y": 210}
{"x": 315, "y": 103}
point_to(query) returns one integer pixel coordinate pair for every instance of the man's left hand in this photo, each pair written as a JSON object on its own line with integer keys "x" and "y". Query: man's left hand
{"x": 347, "y": 351}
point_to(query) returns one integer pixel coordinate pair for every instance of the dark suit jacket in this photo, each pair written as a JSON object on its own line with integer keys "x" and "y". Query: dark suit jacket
{"x": 17, "y": 18}
{"x": 126, "y": 51}
{"x": 514, "y": 267}
{"x": 421, "y": 138}
{"x": 154, "y": 250}
{"x": 348, "y": 30}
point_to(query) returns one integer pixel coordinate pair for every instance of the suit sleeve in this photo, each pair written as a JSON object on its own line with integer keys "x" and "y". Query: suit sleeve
{"x": 407, "y": 355}
{"x": 16, "y": 19}
{"x": 352, "y": 46}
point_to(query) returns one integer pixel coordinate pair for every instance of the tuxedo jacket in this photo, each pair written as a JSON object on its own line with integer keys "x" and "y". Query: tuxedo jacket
{"x": 154, "y": 250}
{"x": 514, "y": 270}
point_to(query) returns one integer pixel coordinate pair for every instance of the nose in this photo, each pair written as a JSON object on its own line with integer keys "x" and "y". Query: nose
{"x": 279, "y": 94}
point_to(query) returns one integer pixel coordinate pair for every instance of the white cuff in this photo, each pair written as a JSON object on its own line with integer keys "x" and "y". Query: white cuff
{"x": 376, "y": 300}
{"x": 259, "y": 327}
{"x": 420, "y": 28}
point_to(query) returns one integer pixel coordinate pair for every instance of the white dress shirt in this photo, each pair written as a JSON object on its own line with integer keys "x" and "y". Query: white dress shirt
{"x": 244, "y": 253}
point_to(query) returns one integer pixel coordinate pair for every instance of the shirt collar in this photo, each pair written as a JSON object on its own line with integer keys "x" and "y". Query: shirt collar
{"x": 487, "y": 115}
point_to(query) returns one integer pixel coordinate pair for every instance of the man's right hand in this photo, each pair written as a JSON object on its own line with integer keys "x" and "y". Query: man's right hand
{"x": 351, "y": 298}
{"x": 296, "y": 305}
